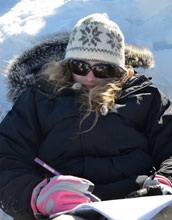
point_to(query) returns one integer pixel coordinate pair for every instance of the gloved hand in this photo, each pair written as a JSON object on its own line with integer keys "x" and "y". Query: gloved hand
{"x": 161, "y": 181}
{"x": 59, "y": 194}
{"x": 159, "y": 185}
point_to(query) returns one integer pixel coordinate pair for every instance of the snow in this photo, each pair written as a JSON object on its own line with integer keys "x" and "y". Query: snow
{"x": 145, "y": 23}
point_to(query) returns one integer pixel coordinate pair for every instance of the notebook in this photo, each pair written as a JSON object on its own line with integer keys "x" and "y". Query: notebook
{"x": 141, "y": 208}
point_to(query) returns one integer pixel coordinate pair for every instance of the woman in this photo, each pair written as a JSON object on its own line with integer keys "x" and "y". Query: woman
{"x": 90, "y": 117}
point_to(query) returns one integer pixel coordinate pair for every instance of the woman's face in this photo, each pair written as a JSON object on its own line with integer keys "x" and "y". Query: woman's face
{"x": 89, "y": 80}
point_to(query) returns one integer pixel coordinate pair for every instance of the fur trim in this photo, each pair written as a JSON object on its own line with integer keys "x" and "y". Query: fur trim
{"x": 23, "y": 70}
{"x": 139, "y": 57}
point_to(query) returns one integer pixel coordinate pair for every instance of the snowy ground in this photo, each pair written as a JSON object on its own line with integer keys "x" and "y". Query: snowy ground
{"x": 143, "y": 22}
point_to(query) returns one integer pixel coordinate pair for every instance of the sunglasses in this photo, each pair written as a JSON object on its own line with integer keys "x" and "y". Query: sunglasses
{"x": 100, "y": 70}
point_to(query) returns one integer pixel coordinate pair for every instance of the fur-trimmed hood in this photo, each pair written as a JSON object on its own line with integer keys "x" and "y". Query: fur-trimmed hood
{"x": 23, "y": 70}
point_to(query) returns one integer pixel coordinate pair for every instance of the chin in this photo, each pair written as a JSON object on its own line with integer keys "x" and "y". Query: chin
{"x": 89, "y": 86}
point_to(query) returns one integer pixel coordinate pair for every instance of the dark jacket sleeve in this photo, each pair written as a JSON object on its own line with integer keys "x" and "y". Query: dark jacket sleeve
{"x": 159, "y": 132}
{"x": 20, "y": 137}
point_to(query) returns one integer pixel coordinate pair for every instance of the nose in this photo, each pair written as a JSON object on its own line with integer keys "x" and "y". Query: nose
{"x": 90, "y": 76}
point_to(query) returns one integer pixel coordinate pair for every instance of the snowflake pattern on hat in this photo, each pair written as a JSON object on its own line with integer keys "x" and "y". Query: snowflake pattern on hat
{"x": 90, "y": 35}
{"x": 115, "y": 40}
{"x": 97, "y": 38}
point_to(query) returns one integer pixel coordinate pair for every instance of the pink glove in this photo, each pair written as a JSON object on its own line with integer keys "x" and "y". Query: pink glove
{"x": 158, "y": 180}
{"x": 61, "y": 193}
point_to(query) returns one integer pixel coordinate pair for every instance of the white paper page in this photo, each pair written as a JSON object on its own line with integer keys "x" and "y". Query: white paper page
{"x": 142, "y": 208}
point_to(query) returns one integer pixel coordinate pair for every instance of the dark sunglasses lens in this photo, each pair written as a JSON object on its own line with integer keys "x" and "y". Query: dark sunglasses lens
{"x": 78, "y": 67}
{"x": 104, "y": 71}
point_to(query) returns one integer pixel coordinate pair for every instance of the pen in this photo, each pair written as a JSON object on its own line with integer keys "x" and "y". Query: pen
{"x": 55, "y": 172}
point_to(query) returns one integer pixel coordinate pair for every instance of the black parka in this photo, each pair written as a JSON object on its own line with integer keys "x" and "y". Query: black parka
{"x": 117, "y": 155}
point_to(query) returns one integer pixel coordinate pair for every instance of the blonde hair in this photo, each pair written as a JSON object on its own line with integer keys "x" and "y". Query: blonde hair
{"x": 95, "y": 100}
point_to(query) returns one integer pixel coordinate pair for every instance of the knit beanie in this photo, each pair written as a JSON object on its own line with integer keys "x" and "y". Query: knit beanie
{"x": 97, "y": 38}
